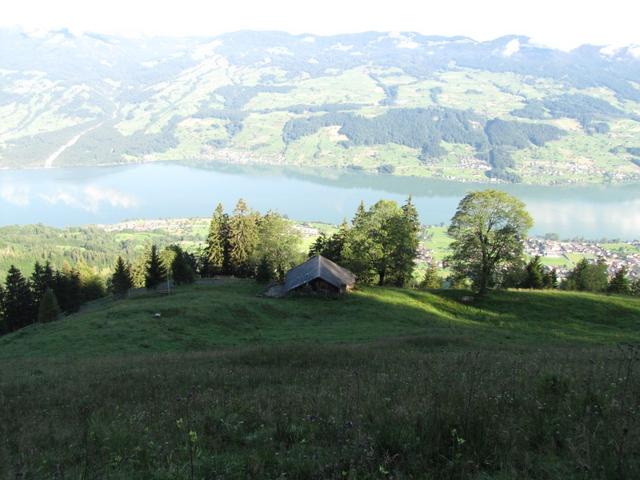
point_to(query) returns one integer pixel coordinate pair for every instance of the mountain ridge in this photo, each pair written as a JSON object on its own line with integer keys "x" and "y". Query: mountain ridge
{"x": 229, "y": 98}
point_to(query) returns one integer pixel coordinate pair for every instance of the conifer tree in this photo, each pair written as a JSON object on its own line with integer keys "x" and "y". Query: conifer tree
{"x": 396, "y": 243}
{"x": 49, "y": 310}
{"x": 619, "y": 283}
{"x": 181, "y": 268}
{"x": 243, "y": 239}
{"x": 265, "y": 271}
{"x": 217, "y": 250}
{"x": 406, "y": 230}
{"x": 432, "y": 278}
{"x": 382, "y": 243}
{"x": 360, "y": 248}
{"x": 534, "y": 274}
{"x": 587, "y": 277}
{"x": 360, "y": 217}
{"x": 18, "y": 305}
{"x": 550, "y": 279}
{"x": 335, "y": 245}
{"x": 41, "y": 280}
{"x": 68, "y": 289}
{"x": 92, "y": 286}
{"x": 139, "y": 268}
{"x": 156, "y": 272}
{"x": 121, "y": 280}
{"x": 332, "y": 246}
{"x": 319, "y": 245}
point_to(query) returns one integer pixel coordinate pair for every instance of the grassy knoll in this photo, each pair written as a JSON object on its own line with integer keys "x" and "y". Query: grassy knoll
{"x": 205, "y": 317}
{"x": 385, "y": 383}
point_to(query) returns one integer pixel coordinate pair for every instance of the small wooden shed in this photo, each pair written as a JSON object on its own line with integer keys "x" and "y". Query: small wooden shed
{"x": 318, "y": 274}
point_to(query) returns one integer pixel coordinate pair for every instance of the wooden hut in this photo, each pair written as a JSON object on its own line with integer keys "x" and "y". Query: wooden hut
{"x": 318, "y": 274}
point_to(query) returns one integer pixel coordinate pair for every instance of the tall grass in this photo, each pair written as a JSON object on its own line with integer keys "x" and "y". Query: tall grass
{"x": 391, "y": 409}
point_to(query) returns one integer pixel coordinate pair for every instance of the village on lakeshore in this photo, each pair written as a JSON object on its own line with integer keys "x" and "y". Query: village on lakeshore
{"x": 554, "y": 252}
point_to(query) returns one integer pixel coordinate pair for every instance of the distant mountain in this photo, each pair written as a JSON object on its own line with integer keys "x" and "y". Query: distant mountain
{"x": 404, "y": 104}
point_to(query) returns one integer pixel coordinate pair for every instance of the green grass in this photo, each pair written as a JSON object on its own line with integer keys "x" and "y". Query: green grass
{"x": 201, "y": 318}
{"x": 556, "y": 262}
{"x": 384, "y": 383}
{"x": 621, "y": 248}
{"x": 350, "y": 86}
{"x": 437, "y": 240}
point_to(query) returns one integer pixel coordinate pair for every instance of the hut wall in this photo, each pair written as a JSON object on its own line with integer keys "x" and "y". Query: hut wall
{"x": 318, "y": 285}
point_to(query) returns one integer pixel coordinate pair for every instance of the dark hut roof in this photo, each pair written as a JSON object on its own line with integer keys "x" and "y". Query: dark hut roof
{"x": 318, "y": 267}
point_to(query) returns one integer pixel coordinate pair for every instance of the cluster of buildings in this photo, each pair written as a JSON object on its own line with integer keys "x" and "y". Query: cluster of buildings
{"x": 623, "y": 254}
{"x": 172, "y": 225}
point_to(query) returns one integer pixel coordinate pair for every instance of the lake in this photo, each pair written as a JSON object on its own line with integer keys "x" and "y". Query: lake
{"x": 75, "y": 196}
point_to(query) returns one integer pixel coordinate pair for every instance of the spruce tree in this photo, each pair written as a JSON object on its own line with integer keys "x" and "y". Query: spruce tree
{"x": 550, "y": 279}
{"x": 360, "y": 250}
{"x": 156, "y": 272}
{"x": 332, "y": 246}
{"x": 49, "y": 310}
{"x": 139, "y": 268}
{"x": 406, "y": 239}
{"x": 121, "y": 280}
{"x": 243, "y": 239}
{"x": 319, "y": 245}
{"x": 382, "y": 243}
{"x": 68, "y": 289}
{"x": 588, "y": 277}
{"x": 41, "y": 280}
{"x": 432, "y": 278}
{"x": 534, "y": 278}
{"x": 619, "y": 283}
{"x": 18, "y": 305}
{"x": 217, "y": 250}
{"x": 181, "y": 267}
{"x": 92, "y": 287}
{"x": 264, "y": 271}
{"x": 360, "y": 217}
{"x": 335, "y": 244}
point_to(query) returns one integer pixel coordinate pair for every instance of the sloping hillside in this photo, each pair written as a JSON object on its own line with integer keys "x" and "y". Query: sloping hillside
{"x": 234, "y": 314}
{"x": 385, "y": 383}
{"x": 402, "y": 104}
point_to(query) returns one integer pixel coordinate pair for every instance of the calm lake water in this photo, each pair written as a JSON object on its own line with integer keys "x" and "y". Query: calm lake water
{"x": 76, "y": 196}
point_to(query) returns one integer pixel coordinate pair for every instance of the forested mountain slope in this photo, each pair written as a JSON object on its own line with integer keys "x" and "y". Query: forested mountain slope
{"x": 402, "y": 104}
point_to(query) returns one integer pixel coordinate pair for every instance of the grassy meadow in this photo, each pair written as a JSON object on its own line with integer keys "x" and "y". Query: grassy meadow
{"x": 384, "y": 383}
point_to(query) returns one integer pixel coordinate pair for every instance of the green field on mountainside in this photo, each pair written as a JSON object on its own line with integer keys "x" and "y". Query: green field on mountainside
{"x": 393, "y": 105}
{"x": 383, "y": 383}
{"x": 203, "y": 317}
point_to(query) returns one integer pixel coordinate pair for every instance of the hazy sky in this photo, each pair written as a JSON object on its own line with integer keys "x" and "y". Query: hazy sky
{"x": 560, "y": 23}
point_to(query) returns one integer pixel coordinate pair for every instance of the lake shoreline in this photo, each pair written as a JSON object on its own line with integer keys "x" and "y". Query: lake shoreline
{"x": 215, "y": 164}
{"x": 95, "y": 195}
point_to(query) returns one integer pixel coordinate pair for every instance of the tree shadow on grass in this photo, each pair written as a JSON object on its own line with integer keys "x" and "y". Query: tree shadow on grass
{"x": 223, "y": 316}
{"x": 563, "y": 316}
